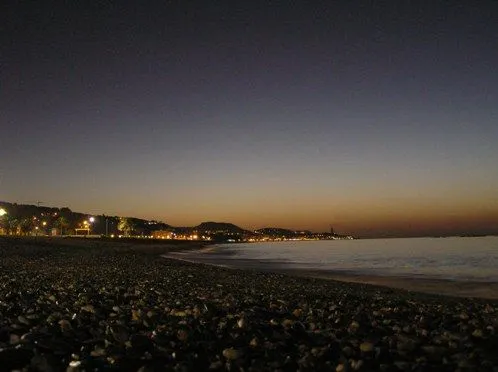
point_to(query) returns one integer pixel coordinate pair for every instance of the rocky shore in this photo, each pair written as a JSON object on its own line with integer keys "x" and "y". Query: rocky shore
{"x": 92, "y": 306}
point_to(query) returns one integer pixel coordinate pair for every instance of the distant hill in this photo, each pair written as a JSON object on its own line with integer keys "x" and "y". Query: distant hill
{"x": 45, "y": 218}
{"x": 220, "y": 228}
{"x": 109, "y": 224}
{"x": 276, "y": 231}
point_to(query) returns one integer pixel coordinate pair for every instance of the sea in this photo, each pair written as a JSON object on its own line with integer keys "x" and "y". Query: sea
{"x": 454, "y": 258}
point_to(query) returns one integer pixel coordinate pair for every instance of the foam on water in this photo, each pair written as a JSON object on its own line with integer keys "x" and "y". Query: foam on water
{"x": 455, "y": 258}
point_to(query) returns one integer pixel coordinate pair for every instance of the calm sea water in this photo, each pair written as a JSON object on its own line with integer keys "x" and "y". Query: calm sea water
{"x": 455, "y": 258}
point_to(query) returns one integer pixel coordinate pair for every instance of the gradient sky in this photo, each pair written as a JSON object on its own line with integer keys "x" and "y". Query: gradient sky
{"x": 380, "y": 118}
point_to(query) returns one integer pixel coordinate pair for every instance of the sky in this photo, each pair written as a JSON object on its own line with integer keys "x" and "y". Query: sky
{"x": 378, "y": 118}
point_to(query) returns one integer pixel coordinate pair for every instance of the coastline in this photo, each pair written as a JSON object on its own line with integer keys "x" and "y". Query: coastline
{"x": 90, "y": 305}
{"x": 466, "y": 289}
{"x": 214, "y": 255}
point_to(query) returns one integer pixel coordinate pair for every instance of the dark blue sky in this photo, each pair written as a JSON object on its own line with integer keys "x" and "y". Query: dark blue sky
{"x": 377, "y": 117}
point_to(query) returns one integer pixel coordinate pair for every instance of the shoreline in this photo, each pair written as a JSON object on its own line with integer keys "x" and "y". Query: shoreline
{"x": 446, "y": 287}
{"x": 84, "y": 306}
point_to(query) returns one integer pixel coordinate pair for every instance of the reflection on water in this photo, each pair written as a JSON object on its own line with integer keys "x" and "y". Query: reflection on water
{"x": 440, "y": 258}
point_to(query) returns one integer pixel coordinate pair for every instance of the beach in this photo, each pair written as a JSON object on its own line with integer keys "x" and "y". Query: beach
{"x": 84, "y": 305}
{"x": 222, "y": 256}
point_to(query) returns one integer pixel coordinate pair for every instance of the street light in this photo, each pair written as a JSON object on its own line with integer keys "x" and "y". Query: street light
{"x": 91, "y": 220}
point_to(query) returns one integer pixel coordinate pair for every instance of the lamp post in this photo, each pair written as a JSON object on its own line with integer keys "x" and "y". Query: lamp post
{"x": 91, "y": 220}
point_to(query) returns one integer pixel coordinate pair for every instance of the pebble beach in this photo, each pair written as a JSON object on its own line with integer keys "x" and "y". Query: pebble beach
{"x": 107, "y": 306}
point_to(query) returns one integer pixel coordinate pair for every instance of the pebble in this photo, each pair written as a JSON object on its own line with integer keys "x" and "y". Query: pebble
{"x": 366, "y": 347}
{"x": 108, "y": 309}
{"x": 232, "y": 354}
{"x": 241, "y": 323}
{"x": 478, "y": 333}
{"x": 88, "y": 308}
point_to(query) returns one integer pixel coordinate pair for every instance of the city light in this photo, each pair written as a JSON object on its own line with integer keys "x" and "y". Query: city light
{"x": 3, "y": 212}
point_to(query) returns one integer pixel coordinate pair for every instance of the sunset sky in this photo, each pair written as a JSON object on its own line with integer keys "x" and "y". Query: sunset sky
{"x": 380, "y": 118}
